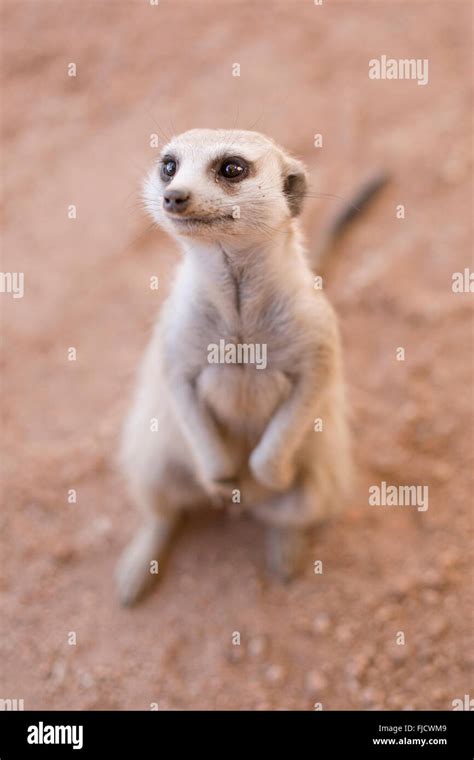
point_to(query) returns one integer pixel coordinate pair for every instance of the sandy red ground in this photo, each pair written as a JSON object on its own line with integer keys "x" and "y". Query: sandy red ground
{"x": 327, "y": 638}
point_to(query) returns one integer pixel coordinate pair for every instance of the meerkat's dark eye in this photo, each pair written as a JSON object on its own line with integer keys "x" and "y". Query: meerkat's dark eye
{"x": 168, "y": 168}
{"x": 233, "y": 169}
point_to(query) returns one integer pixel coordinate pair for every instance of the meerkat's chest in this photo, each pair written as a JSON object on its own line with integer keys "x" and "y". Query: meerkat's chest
{"x": 243, "y": 377}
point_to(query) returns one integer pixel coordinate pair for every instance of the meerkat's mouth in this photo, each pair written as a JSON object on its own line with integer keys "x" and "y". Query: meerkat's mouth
{"x": 200, "y": 220}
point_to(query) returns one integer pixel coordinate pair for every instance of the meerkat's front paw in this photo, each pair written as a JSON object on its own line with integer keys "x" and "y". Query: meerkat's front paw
{"x": 275, "y": 473}
{"x": 217, "y": 477}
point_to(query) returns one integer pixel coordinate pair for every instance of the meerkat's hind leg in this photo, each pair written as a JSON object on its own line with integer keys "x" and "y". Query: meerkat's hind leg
{"x": 141, "y": 563}
{"x": 285, "y": 550}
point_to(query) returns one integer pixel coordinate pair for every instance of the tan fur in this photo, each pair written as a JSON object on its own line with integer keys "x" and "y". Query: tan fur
{"x": 221, "y": 426}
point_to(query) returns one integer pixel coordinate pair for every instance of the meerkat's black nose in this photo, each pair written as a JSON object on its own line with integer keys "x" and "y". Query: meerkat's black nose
{"x": 176, "y": 200}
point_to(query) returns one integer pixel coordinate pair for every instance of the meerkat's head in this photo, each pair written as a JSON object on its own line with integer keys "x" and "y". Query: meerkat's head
{"x": 220, "y": 184}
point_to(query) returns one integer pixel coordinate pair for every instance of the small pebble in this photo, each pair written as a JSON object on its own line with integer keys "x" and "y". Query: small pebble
{"x": 258, "y": 646}
{"x": 275, "y": 674}
{"x": 321, "y": 623}
{"x": 315, "y": 682}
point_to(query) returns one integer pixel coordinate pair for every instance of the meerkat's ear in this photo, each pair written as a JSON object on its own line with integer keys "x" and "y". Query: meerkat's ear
{"x": 295, "y": 183}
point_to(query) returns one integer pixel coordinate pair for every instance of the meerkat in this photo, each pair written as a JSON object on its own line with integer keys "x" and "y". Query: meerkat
{"x": 236, "y": 430}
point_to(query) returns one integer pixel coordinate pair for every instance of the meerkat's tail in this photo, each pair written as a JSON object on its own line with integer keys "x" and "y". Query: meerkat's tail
{"x": 349, "y": 212}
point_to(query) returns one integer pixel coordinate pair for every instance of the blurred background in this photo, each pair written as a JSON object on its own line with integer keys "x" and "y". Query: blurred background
{"x": 86, "y": 141}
